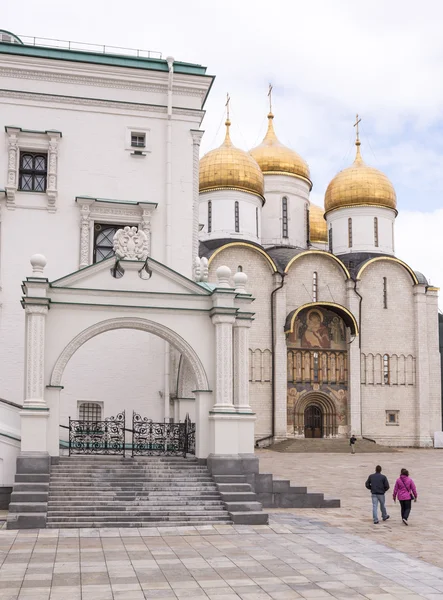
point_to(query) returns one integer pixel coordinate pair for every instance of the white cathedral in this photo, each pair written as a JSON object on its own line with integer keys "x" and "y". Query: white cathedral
{"x": 226, "y": 294}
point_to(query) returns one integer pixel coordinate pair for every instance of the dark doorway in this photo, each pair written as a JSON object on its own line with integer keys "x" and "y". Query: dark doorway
{"x": 313, "y": 422}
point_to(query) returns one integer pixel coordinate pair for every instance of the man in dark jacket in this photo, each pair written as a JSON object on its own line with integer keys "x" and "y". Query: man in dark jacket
{"x": 378, "y": 485}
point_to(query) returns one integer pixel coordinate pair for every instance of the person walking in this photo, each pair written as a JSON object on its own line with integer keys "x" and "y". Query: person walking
{"x": 352, "y": 443}
{"x": 405, "y": 491}
{"x": 378, "y": 485}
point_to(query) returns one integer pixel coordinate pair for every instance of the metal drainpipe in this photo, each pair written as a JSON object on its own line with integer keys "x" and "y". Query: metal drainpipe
{"x": 359, "y": 345}
{"x": 168, "y": 234}
{"x": 282, "y": 275}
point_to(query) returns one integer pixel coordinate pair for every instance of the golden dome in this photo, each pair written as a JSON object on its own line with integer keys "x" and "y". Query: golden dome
{"x": 360, "y": 185}
{"x": 228, "y": 167}
{"x": 318, "y": 230}
{"x": 274, "y": 158}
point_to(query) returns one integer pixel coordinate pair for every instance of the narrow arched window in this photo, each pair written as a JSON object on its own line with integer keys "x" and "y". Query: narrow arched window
{"x": 237, "y": 217}
{"x": 385, "y": 292}
{"x": 330, "y": 239}
{"x": 314, "y": 286}
{"x": 386, "y": 369}
{"x": 209, "y": 216}
{"x": 376, "y": 232}
{"x": 308, "y": 226}
{"x": 239, "y": 269}
{"x": 284, "y": 215}
{"x": 350, "y": 233}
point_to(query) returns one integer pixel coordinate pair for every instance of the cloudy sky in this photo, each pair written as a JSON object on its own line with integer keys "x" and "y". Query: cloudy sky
{"x": 327, "y": 60}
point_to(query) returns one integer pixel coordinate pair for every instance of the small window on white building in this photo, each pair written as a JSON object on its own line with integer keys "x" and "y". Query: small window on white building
{"x": 385, "y": 292}
{"x": 350, "y": 233}
{"x": 237, "y": 217}
{"x": 314, "y": 286}
{"x": 392, "y": 417}
{"x": 33, "y": 172}
{"x": 376, "y": 232}
{"x": 209, "y": 216}
{"x": 386, "y": 368}
{"x": 308, "y": 227}
{"x": 90, "y": 411}
{"x": 284, "y": 215}
{"x": 330, "y": 239}
{"x": 138, "y": 140}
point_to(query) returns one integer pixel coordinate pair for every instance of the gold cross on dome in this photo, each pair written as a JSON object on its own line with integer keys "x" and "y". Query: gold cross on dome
{"x": 228, "y": 100}
{"x": 270, "y": 97}
{"x": 357, "y": 121}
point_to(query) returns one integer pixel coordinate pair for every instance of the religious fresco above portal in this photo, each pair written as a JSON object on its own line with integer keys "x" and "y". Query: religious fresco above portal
{"x": 318, "y": 328}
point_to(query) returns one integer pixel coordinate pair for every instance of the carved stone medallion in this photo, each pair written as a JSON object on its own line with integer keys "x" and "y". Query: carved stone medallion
{"x": 131, "y": 243}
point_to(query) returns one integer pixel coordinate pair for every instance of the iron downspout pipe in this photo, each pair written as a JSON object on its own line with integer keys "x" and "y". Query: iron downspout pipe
{"x": 282, "y": 275}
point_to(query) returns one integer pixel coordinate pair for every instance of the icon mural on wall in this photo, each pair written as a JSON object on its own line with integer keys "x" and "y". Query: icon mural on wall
{"x": 318, "y": 328}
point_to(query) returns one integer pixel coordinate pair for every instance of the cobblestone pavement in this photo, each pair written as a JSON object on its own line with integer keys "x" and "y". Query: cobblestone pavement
{"x": 292, "y": 558}
{"x": 343, "y": 476}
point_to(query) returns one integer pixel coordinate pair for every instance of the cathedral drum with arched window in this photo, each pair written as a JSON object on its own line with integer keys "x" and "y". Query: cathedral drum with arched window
{"x": 317, "y": 351}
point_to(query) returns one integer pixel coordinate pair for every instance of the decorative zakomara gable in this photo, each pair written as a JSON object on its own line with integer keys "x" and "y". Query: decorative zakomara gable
{"x": 360, "y": 185}
{"x": 228, "y": 167}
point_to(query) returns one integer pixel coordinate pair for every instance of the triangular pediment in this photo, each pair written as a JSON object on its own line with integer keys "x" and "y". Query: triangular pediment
{"x": 137, "y": 278}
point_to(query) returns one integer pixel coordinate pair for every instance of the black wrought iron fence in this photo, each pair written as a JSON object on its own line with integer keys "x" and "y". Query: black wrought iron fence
{"x": 97, "y": 437}
{"x": 167, "y": 439}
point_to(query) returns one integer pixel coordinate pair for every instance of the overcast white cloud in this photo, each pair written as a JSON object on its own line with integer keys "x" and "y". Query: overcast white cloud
{"x": 327, "y": 60}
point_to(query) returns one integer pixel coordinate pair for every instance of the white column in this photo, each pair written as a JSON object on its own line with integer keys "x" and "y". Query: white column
{"x": 196, "y": 139}
{"x": 241, "y": 365}
{"x": 12, "y": 184}
{"x": 223, "y": 361}
{"x": 51, "y": 189}
{"x": 354, "y": 367}
{"x": 203, "y": 405}
{"x": 145, "y": 225}
{"x": 422, "y": 368}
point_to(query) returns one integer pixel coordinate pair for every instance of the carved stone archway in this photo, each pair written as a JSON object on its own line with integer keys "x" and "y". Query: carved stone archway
{"x": 327, "y": 407}
{"x": 130, "y": 323}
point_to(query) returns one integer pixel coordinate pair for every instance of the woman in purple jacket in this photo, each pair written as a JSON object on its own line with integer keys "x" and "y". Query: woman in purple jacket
{"x": 405, "y": 491}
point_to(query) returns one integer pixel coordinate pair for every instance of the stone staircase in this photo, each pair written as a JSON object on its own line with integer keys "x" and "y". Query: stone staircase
{"x": 132, "y": 492}
{"x": 334, "y": 445}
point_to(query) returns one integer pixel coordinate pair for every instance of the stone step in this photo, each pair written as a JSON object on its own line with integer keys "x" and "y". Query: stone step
{"x": 66, "y": 504}
{"x": 243, "y": 506}
{"x": 229, "y": 479}
{"x": 124, "y": 515}
{"x": 140, "y": 524}
{"x": 29, "y": 496}
{"x": 146, "y": 519}
{"x": 31, "y": 478}
{"x": 238, "y": 496}
{"x": 234, "y": 487}
{"x": 249, "y": 518}
{"x": 24, "y": 507}
{"x": 29, "y": 486}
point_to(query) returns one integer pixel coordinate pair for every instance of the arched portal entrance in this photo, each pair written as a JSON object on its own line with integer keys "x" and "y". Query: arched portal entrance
{"x": 313, "y": 421}
{"x": 318, "y": 337}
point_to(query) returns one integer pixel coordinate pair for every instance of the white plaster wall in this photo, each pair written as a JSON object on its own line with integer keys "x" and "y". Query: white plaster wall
{"x": 223, "y": 215}
{"x": 363, "y": 238}
{"x": 388, "y": 331}
{"x": 434, "y": 363}
{"x": 297, "y": 192}
{"x": 260, "y": 285}
{"x": 93, "y": 160}
{"x": 9, "y": 442}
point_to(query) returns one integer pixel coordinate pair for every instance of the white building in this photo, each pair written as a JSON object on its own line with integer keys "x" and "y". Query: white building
{"x": 95, "y": 142}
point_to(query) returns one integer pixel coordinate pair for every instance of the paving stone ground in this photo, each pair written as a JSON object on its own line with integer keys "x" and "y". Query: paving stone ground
{"x": 343, "y": 476}
{"x": 292, "y": 558}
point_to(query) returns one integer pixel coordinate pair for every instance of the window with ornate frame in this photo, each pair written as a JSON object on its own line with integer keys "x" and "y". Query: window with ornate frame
{"x": 104, "y": 240}
{"x": 33, "y": 172}
{"x": 89, "y": 411}
{"x": 284, "y": 214}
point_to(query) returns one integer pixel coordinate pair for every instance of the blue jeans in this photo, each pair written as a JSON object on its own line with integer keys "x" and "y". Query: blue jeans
{"x": 376, "y": 498}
